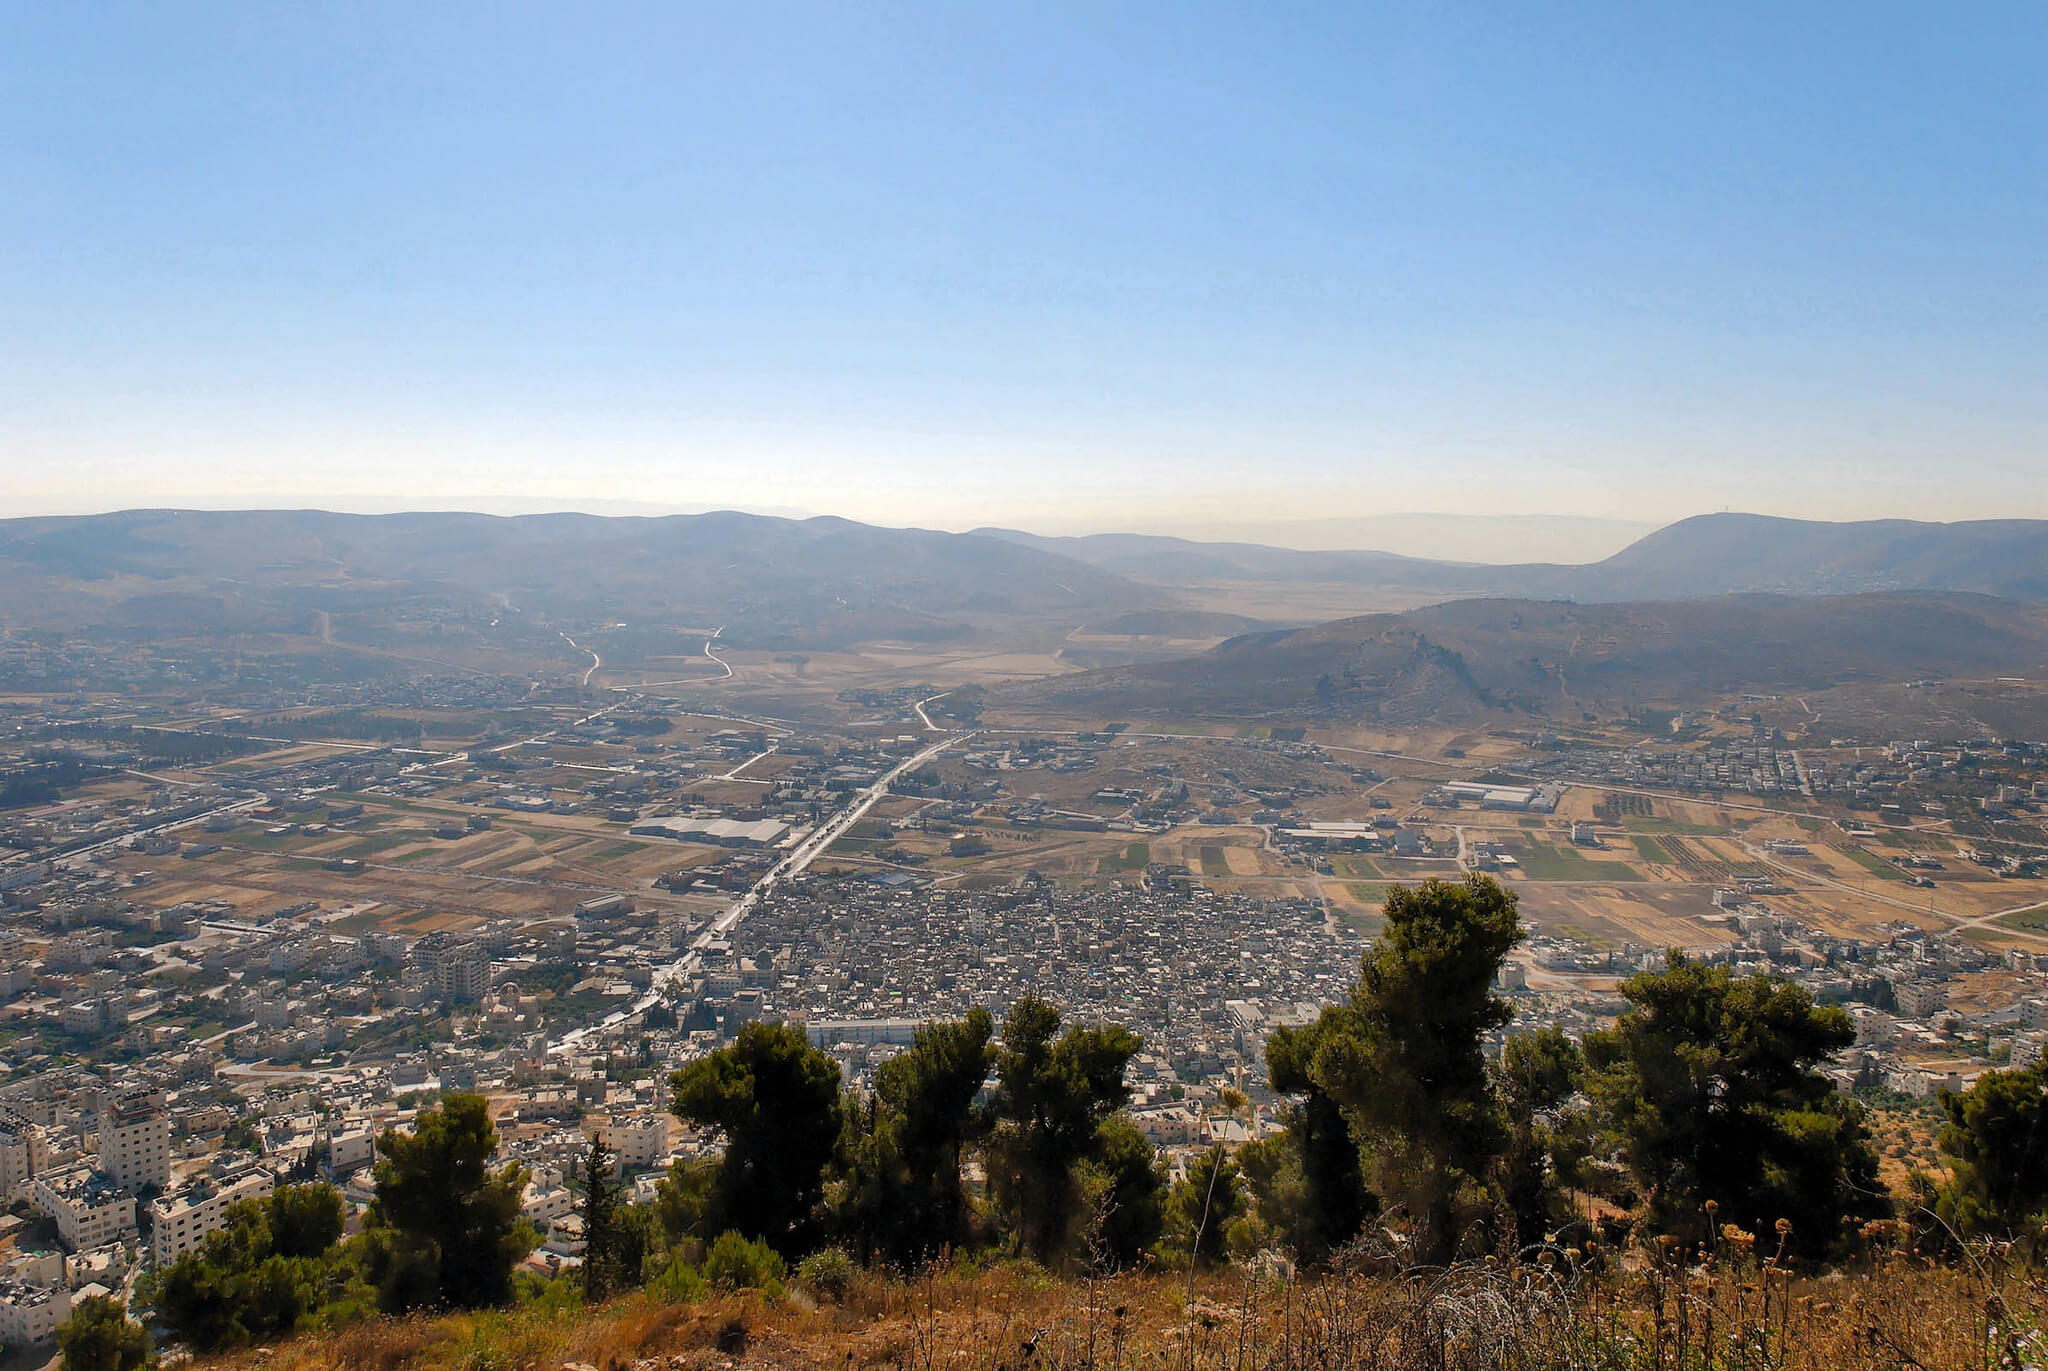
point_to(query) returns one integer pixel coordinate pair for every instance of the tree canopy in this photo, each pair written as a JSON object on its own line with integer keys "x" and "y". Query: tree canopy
{"x": 99, "y": 1336}
{"x": 1053, "y": 1092}
{"x": 1709, "y": 1088}
{"x": 1406, "y": 1061}
{"x": 445, "y": 1228}
{"x": 1996, "y": 1138}
{"x": 776, "y": 1100}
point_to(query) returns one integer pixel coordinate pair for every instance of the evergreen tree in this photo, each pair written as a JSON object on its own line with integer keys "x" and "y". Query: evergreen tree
{"x": 1405, "y": 1062}
{"x": 265, "y": 1272}
{"x": 1996, "y": 1139}
{"x": 304, "y": 1220}
{"x": 1709, "y": 1088}
{"x": 444, "y": 1229}
{"x": 1204, "y": 1205}
{"x": 1309, "y": 1180}
{"x": 601, "y": 1267}
{"x": 929, "y": 1093}
{"x": 1538, "y": 1073}
{"x": 776, "y": 1099}
{"x": 900, "y": 1174}
{"x": 1124, "y": 1191}
{"x": 99, "y": 1336}
{"x": 1053, "y": 1094}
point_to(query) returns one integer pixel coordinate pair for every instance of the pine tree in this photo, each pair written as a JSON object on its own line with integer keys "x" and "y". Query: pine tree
{"x": 1052, "y": 1096}
{"x": 445, "y": 1228}
{"x": 776, "y": 1099}
{"x": 100, "y": 1336}
{"x": 600, "y": 1222}
{"x": 1405, "y": 1058}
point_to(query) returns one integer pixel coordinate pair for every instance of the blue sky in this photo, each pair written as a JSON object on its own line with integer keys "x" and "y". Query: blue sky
{"x": 1063, "y": 266}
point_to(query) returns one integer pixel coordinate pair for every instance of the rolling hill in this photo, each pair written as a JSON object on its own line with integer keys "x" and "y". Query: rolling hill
{"x": 811, "y": 580}
{"x": 1470, "y": 658}
{"x": 1712, "y": 554}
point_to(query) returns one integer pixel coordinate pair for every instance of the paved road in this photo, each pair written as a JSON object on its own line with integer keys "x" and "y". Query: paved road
{"x": 238, "y": 807}
{"x": 794, "y": 863}
{"x": 926, "y": 717}
{"x": 595, "y": 660}
{"x": 714, "y": 656}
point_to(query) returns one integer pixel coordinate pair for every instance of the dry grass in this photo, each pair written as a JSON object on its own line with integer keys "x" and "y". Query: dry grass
{"x": 1651, "y": 1311}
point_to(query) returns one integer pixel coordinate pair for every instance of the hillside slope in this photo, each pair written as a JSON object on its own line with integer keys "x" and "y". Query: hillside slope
{"x": 1468, "y": 658}
{"x": 1713, "y": 554}
{"x": 253, "y": 569}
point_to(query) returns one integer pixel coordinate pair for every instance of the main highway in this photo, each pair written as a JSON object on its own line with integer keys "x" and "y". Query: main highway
{"x": 797, "y": 860}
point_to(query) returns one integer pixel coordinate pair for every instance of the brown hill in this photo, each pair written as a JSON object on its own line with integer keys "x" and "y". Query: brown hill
{"x": 762, "y": 577}
{"x": 1712, "y": 554}
{"x": 1469, "y": 658}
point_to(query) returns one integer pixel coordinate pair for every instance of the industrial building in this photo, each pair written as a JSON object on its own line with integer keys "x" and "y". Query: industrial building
{"x": 717, "y": 832}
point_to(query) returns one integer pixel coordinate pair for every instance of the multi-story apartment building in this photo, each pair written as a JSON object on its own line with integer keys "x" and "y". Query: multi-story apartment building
{"x": 31, "y": 1314}
{"x": 639, "y": 1140}
{"x": 452, "y": 968}
{"x": 135, "y": 1141}
{"x": 24, "y": 1150}
{"x": 181, "y": 1218}
{"x": 90, "y": 1209}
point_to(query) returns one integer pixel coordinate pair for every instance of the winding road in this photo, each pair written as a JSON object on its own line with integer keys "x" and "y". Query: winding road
{"x": 595, "y": 660}
{"x": 714, "y": 656}
{"x": 926, "y": 717}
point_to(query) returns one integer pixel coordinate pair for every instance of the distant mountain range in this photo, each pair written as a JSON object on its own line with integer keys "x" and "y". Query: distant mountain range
{"x": 1470, "y": 658}
{"x": 1712, "y": 554}
{"x": 812, "y": 580}
{"x": 1496, "y": 538}
{"x": 825, "y": 581}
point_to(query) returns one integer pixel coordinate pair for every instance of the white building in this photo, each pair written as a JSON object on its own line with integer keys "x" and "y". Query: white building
{"x": 640, "y": 1140}
{"x": 91, "y": 1210}
{"x": 1920, "y": 999}
{"x": 30, "y": 1313}
{"x": 542, "y": 1204}
{"x": 135, "y": 1141}
{"x": 180, "y": 1219}
{"x": 452, "y": 968}
{"x": 24, "y": 1150}
{"x": 347, "y": 1151}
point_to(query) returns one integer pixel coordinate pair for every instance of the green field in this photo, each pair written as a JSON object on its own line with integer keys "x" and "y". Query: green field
{"x": 1547, "y": 862}
{"x": 1811, "y": 825}
{"x": 1370, "y": 892}
{"x": 1214, "y": 862}
{"x": 378, "y": 843}
{"x": 1136, "y": 857}
{"x": 2033, "y": 920}
{"x": 1650, "y": 823}
{"x": 1871, "y": 862}
{"x": 1356, "y": 867}
{"x": 1652, "y": 851}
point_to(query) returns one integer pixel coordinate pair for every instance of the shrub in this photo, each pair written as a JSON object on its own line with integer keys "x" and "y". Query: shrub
{"x": 678, "y": 1283}
{"x": 738, "y": 1263}
{"x": 826, "y": 1273}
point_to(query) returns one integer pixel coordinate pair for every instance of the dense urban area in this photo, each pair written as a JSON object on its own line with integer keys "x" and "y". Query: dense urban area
{"x": 253, "y": 922}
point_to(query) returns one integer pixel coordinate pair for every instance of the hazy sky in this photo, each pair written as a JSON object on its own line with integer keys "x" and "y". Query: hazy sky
{"x": 1052, "y": 265}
